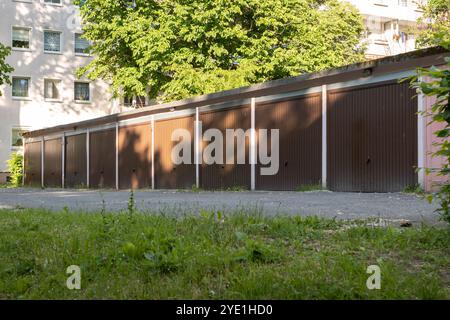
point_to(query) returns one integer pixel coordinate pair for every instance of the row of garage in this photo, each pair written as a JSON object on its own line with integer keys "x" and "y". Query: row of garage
{"x": 371, "y": 145}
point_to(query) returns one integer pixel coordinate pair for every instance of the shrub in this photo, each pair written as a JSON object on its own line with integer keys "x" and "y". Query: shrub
{"x": 439, "y": 87}
{"x": 15, "y": 167}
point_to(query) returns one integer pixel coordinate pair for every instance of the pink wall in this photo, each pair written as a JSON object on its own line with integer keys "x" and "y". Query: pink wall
{"x": 432, "y": 180}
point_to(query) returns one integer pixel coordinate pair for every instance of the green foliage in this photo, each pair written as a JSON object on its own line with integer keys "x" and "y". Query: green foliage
{"x": 439, "y": 87}
{"x": 131, "y": 205}
{"x": 435, "y": 24}
{"x": 415, "y": 188}
{"x": 194, "y": 188}
{"x": 177, "y": 48}
{"x": 15, "y": 167}
{"x": 214, "y": 255}
{"x": 5, "y": 68}
{"x": 309, "y": 187}
{"x": 437, "y": 33}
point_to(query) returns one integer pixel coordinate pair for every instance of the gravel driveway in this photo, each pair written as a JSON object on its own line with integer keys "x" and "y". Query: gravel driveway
{"x": 322, "y": 203}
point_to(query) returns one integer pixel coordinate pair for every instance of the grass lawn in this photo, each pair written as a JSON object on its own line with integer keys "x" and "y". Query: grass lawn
{"x": 210, "y": 256}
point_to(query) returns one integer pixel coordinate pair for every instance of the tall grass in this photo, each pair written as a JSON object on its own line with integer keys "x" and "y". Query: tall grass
{"x": 211, "y": 255}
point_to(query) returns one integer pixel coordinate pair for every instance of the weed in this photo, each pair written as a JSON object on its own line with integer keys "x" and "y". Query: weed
{"x": 194, "y": 188}
{"x": 237, "y": 189}
{"x": 416, "y": 188}
{"x": 131, "y": 204}
{"x": 309, "y": 187}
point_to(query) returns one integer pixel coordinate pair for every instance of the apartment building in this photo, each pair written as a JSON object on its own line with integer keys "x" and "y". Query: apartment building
{"x": 47, "y": 49}
{"x": 389, "y": 24}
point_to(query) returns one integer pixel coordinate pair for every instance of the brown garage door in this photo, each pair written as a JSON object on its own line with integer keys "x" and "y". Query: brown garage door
{"x": 102, "y": 159}
{"x": 52, "y": 163}
{"x": 372, "y": 138}
{"x": 167, "y": 174}
{"x": 135, "y": 156}
{"x": 223, "y": 176}
{"x": 33, "y": 164}
{"x": 300, "y": 145}
{"x": 75, "y": 161}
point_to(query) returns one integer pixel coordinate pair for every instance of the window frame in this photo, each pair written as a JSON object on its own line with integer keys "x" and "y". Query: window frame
{"x": 59, "y": 99}
{"x": 30, "y": 30}
{"x": 28, "y": 97}
{"x": 81, "y": 54}
{"x": 21, "y": 128}
{"x": 60, "y": 41}
{"x": 60, "y": 4}
{"x": 90, "y": 92}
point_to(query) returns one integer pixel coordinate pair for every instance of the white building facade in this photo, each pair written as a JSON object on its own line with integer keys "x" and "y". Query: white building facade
{"x": 390, "y": 25}
{"x": 47, "y": 49}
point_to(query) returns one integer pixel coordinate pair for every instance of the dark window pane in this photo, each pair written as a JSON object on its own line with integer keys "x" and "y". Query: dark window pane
{"x": 82, "y": 91}
{"x": 20, "y": 87}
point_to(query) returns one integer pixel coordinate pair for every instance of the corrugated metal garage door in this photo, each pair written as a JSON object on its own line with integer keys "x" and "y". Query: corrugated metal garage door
{"x": 372, "y": 138}
{"x": 75, "y": 162}
{"x": 167, "y": 174}
{"x": 33, "y": 164}
{"x": 223, "y": 176}
{"x": 135, "y": 156}
{"x": 300, "y": 146}
{"x": 52, "y": 163}
{"x": 102, "y": 159}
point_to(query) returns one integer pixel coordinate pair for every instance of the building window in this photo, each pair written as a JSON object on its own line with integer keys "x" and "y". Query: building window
{"x": 381, "y": 3}
{"x": 403, "y": 3}
{"x": 52, "y": 89}
{"x": 52, "y": 1}
{"x": 52, "y": 41}
{"x": 20, "y": 38}
{"x": 20, "y": 87}
{"x": 16, "y": 137}
{"x": 82, "y": 91}
{"x": 81, "y": 45}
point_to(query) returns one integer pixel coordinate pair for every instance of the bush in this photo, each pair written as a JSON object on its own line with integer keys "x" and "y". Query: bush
{"x": 15, "y": 167}
{"x": 439, "y": 87}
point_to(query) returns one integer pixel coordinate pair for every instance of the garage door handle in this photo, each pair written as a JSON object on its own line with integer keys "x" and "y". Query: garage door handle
{"x": 368, "y": 161}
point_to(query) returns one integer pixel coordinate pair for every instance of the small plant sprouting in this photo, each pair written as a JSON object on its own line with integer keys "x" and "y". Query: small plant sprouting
{"x": 131, "y": 204}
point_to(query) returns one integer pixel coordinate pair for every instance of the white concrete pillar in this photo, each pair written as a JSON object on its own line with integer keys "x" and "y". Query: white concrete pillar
{"x": 153, "y": 151}
{"x": 197, "y": 147}
{"x": 87, "y": 158}
{"x": 63, "y": 162}
{"x": 421, "y": 139}
{"x": 253, "y": 144}
{"x": 324, "y": 136}
{"x": 42, "y": 161}
{"x": 117, "y": 156}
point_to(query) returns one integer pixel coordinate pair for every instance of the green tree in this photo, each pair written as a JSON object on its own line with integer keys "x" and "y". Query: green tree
{"x": 5, "y": 68}
{"x": 181, "y": 48}
{"x": 434, "y": 24}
